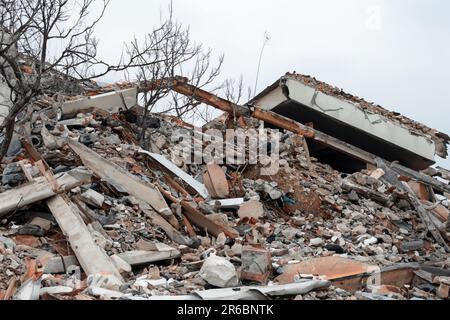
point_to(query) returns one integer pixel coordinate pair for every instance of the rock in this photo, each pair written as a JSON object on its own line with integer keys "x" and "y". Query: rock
{"x": 275, "y": 194}
{"x": 290, "y": 233}
{"x": 387, "y": 290}
{"x": 139, "y": 258}
{"x": 44, "y": 224}
{"x": 162, "y": 282}
{"x": 121, "y": 264}
{"x": 353, "y": 196}
{"x": 315, "y": 242}
{"x": 12, "y": 174}
{"x": 237, "y": 249}
{"x": 221, "y": 240}
{"x": 144, "y": 245}
{"x": 443, "y": 290}
{"x": 93, "y": 198}
{"x": 219, "y": 272}
{"x": 256, "y": 264}
{"x": 112, "y": 139}
{"x": 251, "y": 209}
{"x": 88, "y": 138}
{"x": 342, "y": 228}
{"x": 30, "y": 229}
{"x": 9, "y": 244}
{"x": 14, "y": 147}
{"x": 411, "y": 246}
{"x": 359, "y": 230}
{"x": 335, "y": 248}
{"x": 370, "y": 241}
{"x": 377, "y": 173}
{"x": 159, "y": 142}
{"x": 55, "y": 290}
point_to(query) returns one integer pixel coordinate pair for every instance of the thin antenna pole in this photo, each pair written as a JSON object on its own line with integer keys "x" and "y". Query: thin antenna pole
{"x": 266, "y": 39}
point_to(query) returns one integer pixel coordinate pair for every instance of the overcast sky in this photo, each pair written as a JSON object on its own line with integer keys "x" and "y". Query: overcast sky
{"x": 394, "y": 53}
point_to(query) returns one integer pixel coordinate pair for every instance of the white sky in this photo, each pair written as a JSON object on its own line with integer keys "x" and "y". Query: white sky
{"x": 394, "y": 53}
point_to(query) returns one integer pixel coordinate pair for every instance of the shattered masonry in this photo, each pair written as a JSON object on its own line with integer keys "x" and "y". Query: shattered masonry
{"x": 87, "y": 214}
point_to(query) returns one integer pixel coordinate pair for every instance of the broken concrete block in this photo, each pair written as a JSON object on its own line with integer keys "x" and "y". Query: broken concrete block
{"x": 29, "y": 290}
{"x": 216, "y": 181}
{"x": 359, "y": 230}
{"x": 387, "y": 290}
{"x": 112, "y": 139}
{"x": 12, "y": 174}
{"x": 55, "y": 290}
{"x": 443, "y": 291}
{"x": 315, "y": 242}
{"x": 143, "y": 282}
{"x": 9, "y": 244}
{"x": 237, "y": 249}
{"x": 377, "y": 173}
{"x": 251, "y": 209}
{"x": 221, "y": 240}
{"x": 353, "y": 196}
{"x": 256, "y": 264}
{"x": 138, "y": 257}
{"x": 104, "y": 293}
{"x": 60, "y": 264}
{"x": 219, "y": 272}
{"x": 275, "y": 194}
{"x": 121, "y": 264}
{"x": 30, "y": 229}
{"x": 370, "y": 241}
{"x": 93, "y": 198}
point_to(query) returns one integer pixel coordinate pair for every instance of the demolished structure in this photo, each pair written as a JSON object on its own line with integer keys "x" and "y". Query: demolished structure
{"x": 354, "y": 212}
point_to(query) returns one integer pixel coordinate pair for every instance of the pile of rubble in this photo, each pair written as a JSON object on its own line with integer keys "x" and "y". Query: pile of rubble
{"x": 86, "y": 213}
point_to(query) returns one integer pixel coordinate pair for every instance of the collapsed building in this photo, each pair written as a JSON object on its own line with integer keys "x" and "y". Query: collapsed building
{"x": 354, "y": 212}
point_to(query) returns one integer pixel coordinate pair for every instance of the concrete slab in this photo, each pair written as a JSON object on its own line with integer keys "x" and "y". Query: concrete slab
{"x": 347, "y": 121}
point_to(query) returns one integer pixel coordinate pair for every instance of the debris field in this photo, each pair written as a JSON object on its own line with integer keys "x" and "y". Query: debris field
{"x": 86, "y": 213}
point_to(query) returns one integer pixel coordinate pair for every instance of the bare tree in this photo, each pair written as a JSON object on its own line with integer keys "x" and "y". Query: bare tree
{"x": 173, "y": 53}
{"x": 49, "y": 35}
{"x": 234, "y": 90}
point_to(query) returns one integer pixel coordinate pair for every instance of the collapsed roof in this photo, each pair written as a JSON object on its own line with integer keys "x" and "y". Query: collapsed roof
{"x": 81, "y": 193}
{"x": 366, "y": 125}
